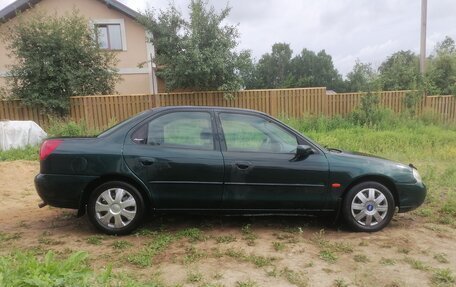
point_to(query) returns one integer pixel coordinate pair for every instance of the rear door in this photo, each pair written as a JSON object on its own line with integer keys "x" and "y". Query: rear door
{"x": 260, "y": 170}
{"x": 176, "y": 155}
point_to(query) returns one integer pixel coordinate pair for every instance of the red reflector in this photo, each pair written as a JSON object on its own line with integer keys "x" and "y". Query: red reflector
{"x": 48, "y": 147}
{"x": 335, "y": 185}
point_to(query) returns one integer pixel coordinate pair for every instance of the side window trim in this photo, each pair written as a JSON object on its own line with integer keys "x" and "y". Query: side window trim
{"x": 144, "y": 125}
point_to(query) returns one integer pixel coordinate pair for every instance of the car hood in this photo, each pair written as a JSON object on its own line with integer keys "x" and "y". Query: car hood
{"x": 365, "y": 158}
{"x": 355, "y": 164}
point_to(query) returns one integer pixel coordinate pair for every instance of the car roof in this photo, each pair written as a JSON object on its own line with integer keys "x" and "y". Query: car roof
{"x": 212, "y": 108}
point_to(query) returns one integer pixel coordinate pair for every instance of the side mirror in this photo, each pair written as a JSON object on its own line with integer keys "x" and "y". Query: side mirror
{"x": 302, "y": 151}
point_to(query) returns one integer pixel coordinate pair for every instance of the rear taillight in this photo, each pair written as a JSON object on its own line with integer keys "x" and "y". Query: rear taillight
{"x": 48, "y": 147}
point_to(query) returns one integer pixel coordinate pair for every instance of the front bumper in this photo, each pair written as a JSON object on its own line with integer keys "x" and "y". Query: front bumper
{"x": 62, "y": 190}
{"x": 411, "y": 196}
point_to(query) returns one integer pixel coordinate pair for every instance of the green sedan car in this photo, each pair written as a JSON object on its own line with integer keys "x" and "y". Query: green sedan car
{"x": 222, "y": 160}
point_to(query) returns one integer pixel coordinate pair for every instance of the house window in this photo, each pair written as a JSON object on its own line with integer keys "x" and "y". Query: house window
{"x": 110, "y": 34}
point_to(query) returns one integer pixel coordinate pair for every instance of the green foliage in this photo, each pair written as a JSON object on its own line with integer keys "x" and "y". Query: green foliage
{"x": 272, "y": 70}
{"x": 24, "y": 269}
{"x": 279, "y": 69}
{"x": 361, "y": 79}
{"x": 412, "y": 99}
{"x": 443, "y": 277}
{"x": 310, "y": 69}
{"x": 57, "y": 57}
{"x": 145, "y": 256}
{"x": 198, "y": 53}
{"x": 62, "y": 128}
{"x": 441, "y": 72}
{"x": 121, "y": 244}
{"x": 400, "y": 71}
{"x": 369, "y": 113}
{"x": 27, "y": 153}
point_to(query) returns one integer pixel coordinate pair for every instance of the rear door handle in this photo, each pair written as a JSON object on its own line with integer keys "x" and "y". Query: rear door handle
{"x": 243, "y": 165}
{"x": 147, "y": 160}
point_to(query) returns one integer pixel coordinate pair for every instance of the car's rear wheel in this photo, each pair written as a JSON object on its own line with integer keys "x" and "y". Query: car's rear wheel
{"x": 115, "y": 207}
{"x": 368, "y": 206}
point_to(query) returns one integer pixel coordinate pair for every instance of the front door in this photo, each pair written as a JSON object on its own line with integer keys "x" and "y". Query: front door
{"x": 176, "y": 155}
{"x": 261, "y": 172}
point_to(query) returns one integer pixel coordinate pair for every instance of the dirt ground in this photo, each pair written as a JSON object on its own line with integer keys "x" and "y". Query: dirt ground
{"x": 234, "y": 251}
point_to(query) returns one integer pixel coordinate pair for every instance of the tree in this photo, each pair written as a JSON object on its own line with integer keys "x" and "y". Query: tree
{"x": 310, "y": 69}
{"x": 441, "y": 73}
{"x": 400, "y": 71}
{"x": 56, "y": 58}
{"x": 362, "y": 78}
{"x": 197, "y": 53}
{"x": 273, "y": 69}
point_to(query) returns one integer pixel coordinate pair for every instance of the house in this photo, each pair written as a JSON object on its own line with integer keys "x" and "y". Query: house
{"x": 117, "y": 28}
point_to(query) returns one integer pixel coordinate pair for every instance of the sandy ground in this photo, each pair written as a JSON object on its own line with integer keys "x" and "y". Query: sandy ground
{"x": 407, "y": 253}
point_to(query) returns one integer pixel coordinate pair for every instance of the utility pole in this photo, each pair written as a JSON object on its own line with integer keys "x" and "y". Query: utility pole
{"x": 423, "y": 36}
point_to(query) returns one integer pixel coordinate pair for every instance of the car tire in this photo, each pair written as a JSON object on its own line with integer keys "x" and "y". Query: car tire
{"x": 368, "y": 207}
{"x": 116, "y": 208}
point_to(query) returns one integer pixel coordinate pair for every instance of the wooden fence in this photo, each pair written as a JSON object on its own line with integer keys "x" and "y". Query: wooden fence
{"x": 100, "y": 111}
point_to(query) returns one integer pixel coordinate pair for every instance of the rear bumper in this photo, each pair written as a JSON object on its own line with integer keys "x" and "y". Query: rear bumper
{"x": 62, "y": 190}
{"x": 411, "y": 196}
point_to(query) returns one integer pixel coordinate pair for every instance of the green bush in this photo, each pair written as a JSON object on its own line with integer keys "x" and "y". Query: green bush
{"x": 61, "y": 128}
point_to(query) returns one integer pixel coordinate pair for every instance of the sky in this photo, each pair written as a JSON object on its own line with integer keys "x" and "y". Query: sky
{"x": 349, "y": 30}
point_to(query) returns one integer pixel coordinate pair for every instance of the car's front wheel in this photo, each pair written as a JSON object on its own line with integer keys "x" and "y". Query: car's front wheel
{"x": 368, "y": 206}
{"x": 115, "y": 208}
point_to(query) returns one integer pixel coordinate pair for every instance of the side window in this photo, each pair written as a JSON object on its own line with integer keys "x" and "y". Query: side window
{"x": 178, "y": 129}
{"x": 255, "y": 134}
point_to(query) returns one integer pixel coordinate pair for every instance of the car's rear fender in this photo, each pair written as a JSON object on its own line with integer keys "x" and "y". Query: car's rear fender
{"x": 148, "y": 200}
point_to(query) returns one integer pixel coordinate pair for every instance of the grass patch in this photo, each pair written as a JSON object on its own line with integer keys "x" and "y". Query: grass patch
{"x": 257, "y": 260}
{"x": 294, "y": 277}
{"x": 4, "y": 237}
{"x": 441, "y": 258}
{"x": 361, "y": 258}
{"x": 121, "y": 244}
{"x": 95, "y": 240}
{"x": 225, "y": 239}
{"x": 247, "y": 283}
{"x": 248, "y": 234}
{"x": 278, "y": 246}
{"x": 416, "y": 264}
{"x": 387, "y": 261}
{"x": 443, "y": 277}
{"x": 145, "y": 256}
{"x": 25, "y": 269}
{"x": 192, "y": 254}
{"x": 340, "y": 283}
{"x": 328, "y": 256}
{"x": 193, "y": 234}
{"x": 194, "y": 277}
{"x": 328, "y": 249}
{"x": 27, "y": 153}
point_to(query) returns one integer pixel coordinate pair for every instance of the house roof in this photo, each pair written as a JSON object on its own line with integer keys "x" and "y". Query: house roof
{"x": 18, "y": 6}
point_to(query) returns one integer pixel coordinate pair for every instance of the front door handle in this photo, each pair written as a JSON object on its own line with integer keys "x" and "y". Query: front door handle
{"x": 147, "y": 160}
{"x": 243, "y": 165}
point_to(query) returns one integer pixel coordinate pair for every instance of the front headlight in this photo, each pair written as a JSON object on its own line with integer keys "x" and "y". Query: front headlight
{"x": 416, "y": 175}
